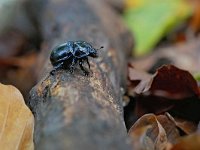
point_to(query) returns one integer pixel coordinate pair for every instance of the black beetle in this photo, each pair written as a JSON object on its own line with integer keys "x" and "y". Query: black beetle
{"x": 67, "y": 55}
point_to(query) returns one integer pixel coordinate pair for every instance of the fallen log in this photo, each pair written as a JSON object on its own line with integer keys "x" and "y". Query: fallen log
{"x": 73, "y": 111}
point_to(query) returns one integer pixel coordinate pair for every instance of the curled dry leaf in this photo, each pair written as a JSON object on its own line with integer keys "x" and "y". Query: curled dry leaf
{"x": 140, "y": 81}
{"x": 190, "y": 142}
{"x": 169, "y": 89}
{"x": 186, "y": 126}
{"x": 169, "y": 81}
{"x": 139, "y": 139}
{"x": 153, "y": 132}
{"x": 16, "y": 120}
{"x": 170, "y": 128}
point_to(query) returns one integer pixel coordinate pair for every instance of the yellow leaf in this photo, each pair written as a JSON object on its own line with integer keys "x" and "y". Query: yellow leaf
{"x": 16, "y": 120}
{"x": 134, "y": 3}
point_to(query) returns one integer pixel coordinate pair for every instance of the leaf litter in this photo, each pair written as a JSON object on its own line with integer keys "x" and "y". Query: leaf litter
{"x": 167, "y": 107}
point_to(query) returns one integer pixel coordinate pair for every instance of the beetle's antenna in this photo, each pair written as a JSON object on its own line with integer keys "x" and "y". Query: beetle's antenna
{"x": 100, "y": 48}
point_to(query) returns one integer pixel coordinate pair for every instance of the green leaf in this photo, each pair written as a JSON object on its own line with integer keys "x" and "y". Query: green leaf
{"x": 151, "y": 20}
{"x": 197, "y": 76}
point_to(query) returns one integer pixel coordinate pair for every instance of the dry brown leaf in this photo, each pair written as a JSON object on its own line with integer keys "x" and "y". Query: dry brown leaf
{"x": 186, "y": 126}
{"x": 148, "y": 133}
{"x": 190, "y": 142}
{"x": 16, "y": 120}
{"x": 170, "y": 128}
{"x": 139, "y": 139}
{"x": 169, "y": 81}
{"x": 140, "y": 81}
{"x": 169, "y": 89}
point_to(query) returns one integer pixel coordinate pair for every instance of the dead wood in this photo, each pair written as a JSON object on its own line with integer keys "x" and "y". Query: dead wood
{"x": 73, "y": 111}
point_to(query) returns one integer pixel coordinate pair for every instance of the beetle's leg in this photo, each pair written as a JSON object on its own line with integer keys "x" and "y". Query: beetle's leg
{"x": 71, "y": 67}
{"x": 82, "y": 56}
{"x": 88, "y": 62}
{"x": 52, "y": 72}
{"x": 82, "y": 68}
{"x": 56, "y": 68}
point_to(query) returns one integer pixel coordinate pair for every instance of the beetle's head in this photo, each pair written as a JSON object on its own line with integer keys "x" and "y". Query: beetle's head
{"x": 94, "y": 52}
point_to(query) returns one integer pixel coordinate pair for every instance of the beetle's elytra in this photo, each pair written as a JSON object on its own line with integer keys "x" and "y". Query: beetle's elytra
{"x": 67, "y": 55}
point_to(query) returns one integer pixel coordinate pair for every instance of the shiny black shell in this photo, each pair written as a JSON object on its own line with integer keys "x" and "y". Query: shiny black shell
{"x": 61, "y": 53}
{"x": 64, "y": 54}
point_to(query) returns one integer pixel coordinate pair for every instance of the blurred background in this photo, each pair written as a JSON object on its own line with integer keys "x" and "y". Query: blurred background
{"x": 165, "y": 32}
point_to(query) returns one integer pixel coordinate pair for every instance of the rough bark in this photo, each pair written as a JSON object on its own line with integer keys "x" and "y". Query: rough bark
{"x": 73, "y": 111}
